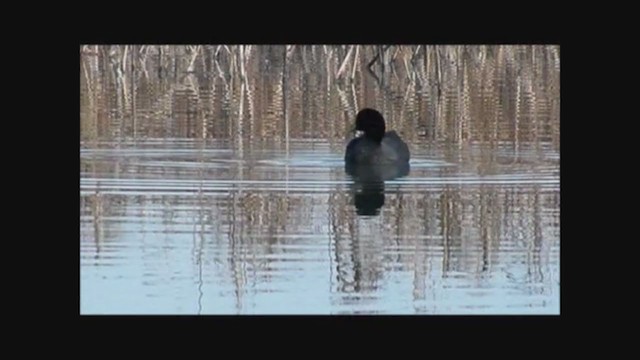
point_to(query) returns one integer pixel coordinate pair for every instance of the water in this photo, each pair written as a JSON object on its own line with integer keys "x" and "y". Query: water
{"x": 196, "y": 198}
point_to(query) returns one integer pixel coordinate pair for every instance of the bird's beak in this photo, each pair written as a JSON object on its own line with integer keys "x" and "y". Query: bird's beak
{"x": 354, "y": 132}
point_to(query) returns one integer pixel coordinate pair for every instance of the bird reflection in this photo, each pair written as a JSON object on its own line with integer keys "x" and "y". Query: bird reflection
{"x": 368, "y": 184}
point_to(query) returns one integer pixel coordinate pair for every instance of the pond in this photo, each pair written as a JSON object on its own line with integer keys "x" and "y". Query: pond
{"x": 213, "y": 181}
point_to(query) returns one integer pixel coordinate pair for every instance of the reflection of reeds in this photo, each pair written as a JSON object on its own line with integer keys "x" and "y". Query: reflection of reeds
{"x": 471, "y": 230}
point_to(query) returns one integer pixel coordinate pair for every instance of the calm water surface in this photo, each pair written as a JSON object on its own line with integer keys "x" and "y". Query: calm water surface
{"x": 198, "y": 197}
